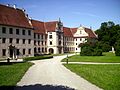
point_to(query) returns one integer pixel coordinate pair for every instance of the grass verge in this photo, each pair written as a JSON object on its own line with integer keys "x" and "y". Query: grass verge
{"x": 11, "y": 73}
{"x": 104, "y": 76}
{"x": 106, "y": 58}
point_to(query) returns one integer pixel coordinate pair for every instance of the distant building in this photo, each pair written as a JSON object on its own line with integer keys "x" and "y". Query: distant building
{"x": 68, "y": 40}
{"x": 81, "y": 35}
{"x": 21, "y": 36}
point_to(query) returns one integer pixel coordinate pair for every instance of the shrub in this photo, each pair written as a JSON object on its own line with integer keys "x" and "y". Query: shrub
{"x": 86, "y": 51}
{"x": 37, "y": 57}
{"x": 117, "y": 48}
{"x": 106, "y": 47}
{"x": 91, "y": 49}
{"x": 97, "y": 52}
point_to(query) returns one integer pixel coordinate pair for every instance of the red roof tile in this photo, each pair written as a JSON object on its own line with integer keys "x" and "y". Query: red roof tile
{"x": 51, "y": 26}
{"x": 90, "y": 33}
{"x": 74, "y": 30}
{"x": 67, "y": 32}
{"x": 38, "y": 26}
{"x": 13, "y": 17}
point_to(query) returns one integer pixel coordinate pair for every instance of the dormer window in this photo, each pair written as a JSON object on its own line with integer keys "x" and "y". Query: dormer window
{"x": 80, "y": 32}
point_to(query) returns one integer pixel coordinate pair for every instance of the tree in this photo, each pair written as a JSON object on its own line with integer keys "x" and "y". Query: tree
{"x": 108, "y": 34}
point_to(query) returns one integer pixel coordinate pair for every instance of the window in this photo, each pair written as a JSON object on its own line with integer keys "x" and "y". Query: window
{"x": 23, "y": 51}
{"x": 23, "y": 32}
{"x": 59, "y": 37}
{"x": 41, "y": 36}
{"x": 34, "y": 35}
{"x": 3, "y": 40}
{"x": 29, "y": 51}
{"x": 80, "y": 32}
{"x": 42, "y": 49}
{"x": 17, "y": 41}
{"x": 50, "y": 36}
{"x": 17, "y": 31}
{"x": 3, "y": 52}
{"x": 35, "y": 50}
{"x": 10, "y": 30}
{"x": 29, "y": 32}
{"x": 34, "y": 42}
{"x": 42, "y": 42}
{"x": 45, "y": 42}
{"x": 76, "y": 43}
{"x": 3, "y": 29}
{"x": 76, "y": 39}
{"x": 50, "y": 42}
{"x": 17, "y": 52}
{"x": 38, "y": 36}
{"x": 80, "y": 39}
{"x": 29, "y": 41}
{"x": 76, "y": 48}
{"x": 38, "y": 42}
{"x": 10, "y": 40}
{"x": 23, "y": 41}
{"x": 45, "y": 49}
{"x": 59, "y": 42}
{"x": 39, "y": 50}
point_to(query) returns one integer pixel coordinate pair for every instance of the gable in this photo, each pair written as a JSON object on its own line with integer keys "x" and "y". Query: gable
{"x": 81, "y": 32}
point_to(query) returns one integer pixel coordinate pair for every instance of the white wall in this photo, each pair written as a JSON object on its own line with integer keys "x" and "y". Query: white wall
{"x": 19, "y": 46}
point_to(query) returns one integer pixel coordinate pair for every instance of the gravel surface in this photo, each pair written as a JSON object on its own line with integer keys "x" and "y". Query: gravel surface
{"x": 51, "y": 72}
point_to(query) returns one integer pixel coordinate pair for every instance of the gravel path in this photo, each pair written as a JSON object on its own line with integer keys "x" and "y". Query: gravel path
{"x": 52, "y": 72}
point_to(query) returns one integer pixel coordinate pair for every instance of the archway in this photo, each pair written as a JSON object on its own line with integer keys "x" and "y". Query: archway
{"x": 51, "y": 50}
{"x": 12, "y": 53}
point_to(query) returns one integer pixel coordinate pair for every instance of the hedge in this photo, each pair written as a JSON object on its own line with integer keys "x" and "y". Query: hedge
{"x": 37, "y": 58}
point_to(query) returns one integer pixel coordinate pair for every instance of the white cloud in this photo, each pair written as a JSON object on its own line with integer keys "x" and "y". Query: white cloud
{"x": 87, "y": 14}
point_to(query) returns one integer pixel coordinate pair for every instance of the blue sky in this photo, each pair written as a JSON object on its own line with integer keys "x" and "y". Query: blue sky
{"x": 72, "y": 12}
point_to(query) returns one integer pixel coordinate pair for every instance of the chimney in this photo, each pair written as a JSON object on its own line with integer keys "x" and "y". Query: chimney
{"x": 8, "y": 5}
{"x": 80, "y": 25}
{"x": 23, "y": 9}
{"x": 90, "y": 27}
{"x": 14, "y": 6}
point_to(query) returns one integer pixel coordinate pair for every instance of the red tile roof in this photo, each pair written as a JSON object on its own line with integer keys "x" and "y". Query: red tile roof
{"x": 13, "y": 17}
{"x": 90, "y": 33}
{"x": 51, "y": 26}
{"x": 74, "y": 30}
{"x": 67, "y": 32}
{"x": 39, "y": 27}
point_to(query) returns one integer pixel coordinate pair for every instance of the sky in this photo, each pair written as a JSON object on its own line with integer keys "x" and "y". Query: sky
{"x": 73, "y": 13}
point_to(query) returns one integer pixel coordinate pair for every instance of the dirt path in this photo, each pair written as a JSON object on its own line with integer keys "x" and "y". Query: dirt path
{"x": 52, "y": 72}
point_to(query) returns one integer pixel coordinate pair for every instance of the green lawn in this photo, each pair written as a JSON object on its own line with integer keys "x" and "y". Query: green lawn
{"x": 104, "y": 76}
{"x": 11, "y": 73}
{"x": 107, "y": 57}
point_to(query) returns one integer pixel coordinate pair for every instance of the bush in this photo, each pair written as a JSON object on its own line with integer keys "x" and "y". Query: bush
{"x": 86, "y": 51}
{"x": 91, "y": 49}
{"x": 97, "y": 52}
{"x": 37, "y": 57}
{"x": 117, "y": 48}
{"x": 104, "y": 46}
{"x": 117, "y": 52}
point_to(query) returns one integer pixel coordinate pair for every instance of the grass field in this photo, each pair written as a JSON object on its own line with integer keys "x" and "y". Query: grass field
{"x": 11, "y": 73}
{"x": 104, "y": 76}
{"x": 107, "y": 57}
